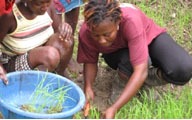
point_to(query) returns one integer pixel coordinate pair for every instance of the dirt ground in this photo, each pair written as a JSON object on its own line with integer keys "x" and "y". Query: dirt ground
{"x": 103, "y": 87}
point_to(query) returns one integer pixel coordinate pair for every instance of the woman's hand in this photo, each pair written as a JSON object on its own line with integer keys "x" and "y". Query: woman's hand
{"x": 109, "y": 113}
{"x": 90, "y": 72}
{"x": 65, "y": 31}
{"x": 89, "y": 94}
{"x": 3, "y": 75}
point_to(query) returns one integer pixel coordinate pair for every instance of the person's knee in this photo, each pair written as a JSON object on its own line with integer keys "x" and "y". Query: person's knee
{"x": 180, "y": 75}
{"x": 187, "y": 73}
{"x": 51, "y": 58}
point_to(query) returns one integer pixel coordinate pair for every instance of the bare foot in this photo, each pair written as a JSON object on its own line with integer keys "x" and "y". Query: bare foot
{"x": 75, "y": 67}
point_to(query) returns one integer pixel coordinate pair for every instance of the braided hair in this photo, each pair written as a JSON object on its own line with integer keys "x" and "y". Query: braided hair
{"x": 96, "y": 11}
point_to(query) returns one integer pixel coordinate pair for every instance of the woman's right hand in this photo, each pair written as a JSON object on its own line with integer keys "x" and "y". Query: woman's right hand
{"x": 3, "y": 75}
{"x": 65, "y": 31}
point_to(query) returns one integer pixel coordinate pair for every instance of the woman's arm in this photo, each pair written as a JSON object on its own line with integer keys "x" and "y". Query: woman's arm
{"x": 59, "y": 25}
{"x": 7, "y": 25}
{"x": 90, "y": 72}
{"x": 57, "y": 18}
{"x": 134, "y": 83}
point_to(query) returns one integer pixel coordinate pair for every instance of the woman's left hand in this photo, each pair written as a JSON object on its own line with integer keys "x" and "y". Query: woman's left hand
{"x": 65, "y": 30}
{"x": 109, "y": 113}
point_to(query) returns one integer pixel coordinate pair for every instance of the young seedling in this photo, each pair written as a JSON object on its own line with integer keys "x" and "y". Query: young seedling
{"x": 47, "y": 97}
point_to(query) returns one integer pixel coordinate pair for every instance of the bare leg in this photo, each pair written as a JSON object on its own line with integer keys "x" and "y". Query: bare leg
{"x": 72, "y": 18}
{"x": 44, "y": 58}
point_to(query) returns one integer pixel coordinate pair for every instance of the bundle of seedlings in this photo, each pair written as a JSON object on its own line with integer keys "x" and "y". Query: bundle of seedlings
{"x": 47, "y": 98}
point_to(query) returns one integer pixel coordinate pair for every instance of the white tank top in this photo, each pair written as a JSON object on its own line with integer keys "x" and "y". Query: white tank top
{"x": 28, "y": 33}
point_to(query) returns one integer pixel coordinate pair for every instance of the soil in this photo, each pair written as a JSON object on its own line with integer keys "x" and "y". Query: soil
{"x": 103, "y": 87}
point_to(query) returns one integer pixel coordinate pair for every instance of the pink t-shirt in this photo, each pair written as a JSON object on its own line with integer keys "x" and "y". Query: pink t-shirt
{"x": 136, "y": 31}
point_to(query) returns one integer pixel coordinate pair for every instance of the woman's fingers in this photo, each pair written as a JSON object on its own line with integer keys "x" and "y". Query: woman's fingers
{"x": 65, "y": 30}
{"x": 3, "y": 76}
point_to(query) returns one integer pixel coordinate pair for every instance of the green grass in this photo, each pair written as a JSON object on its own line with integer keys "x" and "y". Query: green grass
{"x": 47, "y": 97}
{"x": 94, "y": 113}
{"x": 168, "y": 106}
{"x": 176, "y": 16}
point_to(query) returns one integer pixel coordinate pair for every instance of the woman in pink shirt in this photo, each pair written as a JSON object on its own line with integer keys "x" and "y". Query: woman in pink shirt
{"x": 131, "y": 43}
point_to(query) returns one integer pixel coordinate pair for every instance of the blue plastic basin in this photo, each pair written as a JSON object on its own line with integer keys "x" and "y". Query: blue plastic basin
{"x": 21, "y": 86}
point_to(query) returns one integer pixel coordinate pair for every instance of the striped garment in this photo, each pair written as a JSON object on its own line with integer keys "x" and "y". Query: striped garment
{"x": 28, "y": 33}
{"x": 63, "y": 6}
